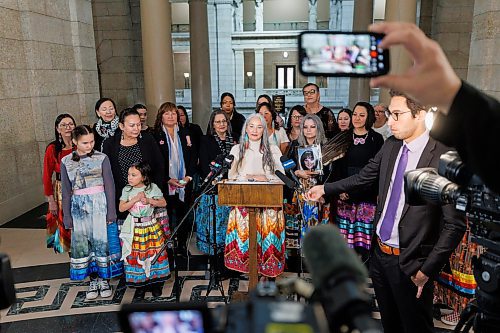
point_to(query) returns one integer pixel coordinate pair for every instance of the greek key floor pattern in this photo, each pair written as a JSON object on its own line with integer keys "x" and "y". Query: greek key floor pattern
{"x": 47, "y": 301}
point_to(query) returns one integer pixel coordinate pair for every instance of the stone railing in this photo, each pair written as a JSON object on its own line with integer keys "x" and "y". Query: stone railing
{"x": 285, "y": 26}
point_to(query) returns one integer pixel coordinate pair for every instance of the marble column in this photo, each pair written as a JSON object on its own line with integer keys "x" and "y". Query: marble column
{"x": 402, "y": 11}
{"x": 259, "y": 71}
{"x": 343, "y": 11}
{"x": 484, "y": 63}
{"x": 359, "y": 88}
{"x": 259, "y": 15}
{"x": 313, "y": 15}
{"x": 223, "y": 51}
{"x": 201, "y": 92}
{"x": 158, "y": 61}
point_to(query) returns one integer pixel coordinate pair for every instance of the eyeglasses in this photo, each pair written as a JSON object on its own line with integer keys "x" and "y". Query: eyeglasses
{"x": 68, "y": 125}
{"x": 394, "y": 115}
{"x": 220, "y": 122}
{"x": 310, "y": 92}
{"x": 297, "y": 117}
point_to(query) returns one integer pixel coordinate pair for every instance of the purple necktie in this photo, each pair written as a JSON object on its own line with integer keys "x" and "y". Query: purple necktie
{"x": 392, "y": 207}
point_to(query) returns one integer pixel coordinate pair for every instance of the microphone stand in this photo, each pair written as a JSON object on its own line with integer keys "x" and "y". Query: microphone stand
{"x": 169, "y": 244}
{"x": 214, "y": 281}
{"x": 298, "y": 191}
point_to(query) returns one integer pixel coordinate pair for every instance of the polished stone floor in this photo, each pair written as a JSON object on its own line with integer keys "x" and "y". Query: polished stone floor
{"x": 47, "y": 301}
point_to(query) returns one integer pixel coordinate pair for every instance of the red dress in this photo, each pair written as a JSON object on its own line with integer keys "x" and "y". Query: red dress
{"x": 58, "y": 237}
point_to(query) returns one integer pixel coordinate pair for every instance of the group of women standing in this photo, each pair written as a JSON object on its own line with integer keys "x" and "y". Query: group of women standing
{"x": 119, "y": 174}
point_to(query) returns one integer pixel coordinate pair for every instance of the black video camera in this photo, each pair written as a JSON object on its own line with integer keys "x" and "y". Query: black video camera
{"x": 453, "y": 183}
{"x": 265, "y": 311}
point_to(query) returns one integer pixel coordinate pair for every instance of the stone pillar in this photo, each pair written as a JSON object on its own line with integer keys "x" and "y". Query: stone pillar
{"x": 238, "y": 15}
{"x": 484, "y": 64}
{"x": 359, "y": 88}
{"x": 259, "y": 15}
{"x": 224, "y": 53}
{"x": 402, "y": 11}
{"x": 259, "y": 71}
{"x": 201, "y": 92}
{"x": 156, "y": 25}
{"x": 451, "y": 28}
{"x": 343, "y": 21}
{"x": 239, "y": 75}
{"x": 313, "y": 15}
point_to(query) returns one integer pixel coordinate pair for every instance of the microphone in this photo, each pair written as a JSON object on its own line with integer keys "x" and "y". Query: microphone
{"x": 217, "y": 164}
{"x": 339, "y": 279}
{"x": 228, "y": 160}
{"x": 289, "y": 165}
{"x": 288, "y": 182}
{"x": 217, "y": 172}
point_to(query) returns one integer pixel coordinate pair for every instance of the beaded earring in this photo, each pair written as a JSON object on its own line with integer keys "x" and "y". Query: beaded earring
{"x": 246, "y": 141}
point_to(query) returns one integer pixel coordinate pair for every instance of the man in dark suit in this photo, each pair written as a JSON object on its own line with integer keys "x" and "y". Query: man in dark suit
{"x": 411, "y": 243}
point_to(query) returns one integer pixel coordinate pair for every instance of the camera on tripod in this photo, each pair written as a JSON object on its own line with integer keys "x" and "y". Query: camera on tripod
{"x": 453, "y": 183}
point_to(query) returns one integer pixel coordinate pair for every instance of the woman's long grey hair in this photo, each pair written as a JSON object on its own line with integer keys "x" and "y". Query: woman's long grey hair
{"x": 320, "y": 131}
{"x": 265, "y": 149}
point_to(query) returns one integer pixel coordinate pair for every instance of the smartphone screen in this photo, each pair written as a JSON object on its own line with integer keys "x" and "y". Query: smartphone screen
{"x": 189, "y": 321}
{"x": 330, "y": 53}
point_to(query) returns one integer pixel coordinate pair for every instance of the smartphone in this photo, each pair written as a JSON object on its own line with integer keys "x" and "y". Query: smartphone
{"x": 165, "y": 317}
{"x": 334, "y": 53}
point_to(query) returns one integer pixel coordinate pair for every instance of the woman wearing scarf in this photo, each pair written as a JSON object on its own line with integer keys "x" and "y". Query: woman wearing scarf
{"x": 218, "y": 142}
{"x": 107, "y": 123}
{"x": 180, "y": 156}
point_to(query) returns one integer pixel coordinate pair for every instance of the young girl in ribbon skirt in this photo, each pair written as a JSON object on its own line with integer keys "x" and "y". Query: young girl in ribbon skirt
{"x": 141, "y": 234}
{"x": 88, "y": 197}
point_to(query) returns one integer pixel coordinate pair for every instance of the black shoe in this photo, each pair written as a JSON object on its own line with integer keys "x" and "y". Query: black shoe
{"x": 140, "y": 293}
{"x": 156, "y": 290}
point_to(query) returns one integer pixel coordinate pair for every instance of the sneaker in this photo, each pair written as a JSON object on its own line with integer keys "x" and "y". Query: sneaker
{"x": 104, "y": 288}
{"x": 93, "y": 291}
{"x": 451, "y": 319}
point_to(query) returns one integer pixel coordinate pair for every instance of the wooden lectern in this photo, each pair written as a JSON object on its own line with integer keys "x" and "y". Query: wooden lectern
{"x": 252, "y": 195}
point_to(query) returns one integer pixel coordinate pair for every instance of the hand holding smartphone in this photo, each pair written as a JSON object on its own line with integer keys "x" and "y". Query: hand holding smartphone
{"x": 333, "y": 53}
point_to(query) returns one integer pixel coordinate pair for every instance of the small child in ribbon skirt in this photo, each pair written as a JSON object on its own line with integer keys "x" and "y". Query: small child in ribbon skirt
{"x": 141, "y": 234}
{"x": 88, "y": 200}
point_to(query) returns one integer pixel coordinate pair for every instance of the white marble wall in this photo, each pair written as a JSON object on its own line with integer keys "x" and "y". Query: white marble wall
{"x": 47, "y": 67}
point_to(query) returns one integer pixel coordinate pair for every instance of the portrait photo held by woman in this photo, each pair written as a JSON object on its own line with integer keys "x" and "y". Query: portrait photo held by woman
{"x": 301, "y": 215}
{"x": 255, "y": 159}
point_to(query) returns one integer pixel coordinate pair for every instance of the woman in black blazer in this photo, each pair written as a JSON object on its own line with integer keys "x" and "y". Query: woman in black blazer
{"x": 129, "y": 146}
{"x": 217, "y": 143}
{"x": 179, "y": 152}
